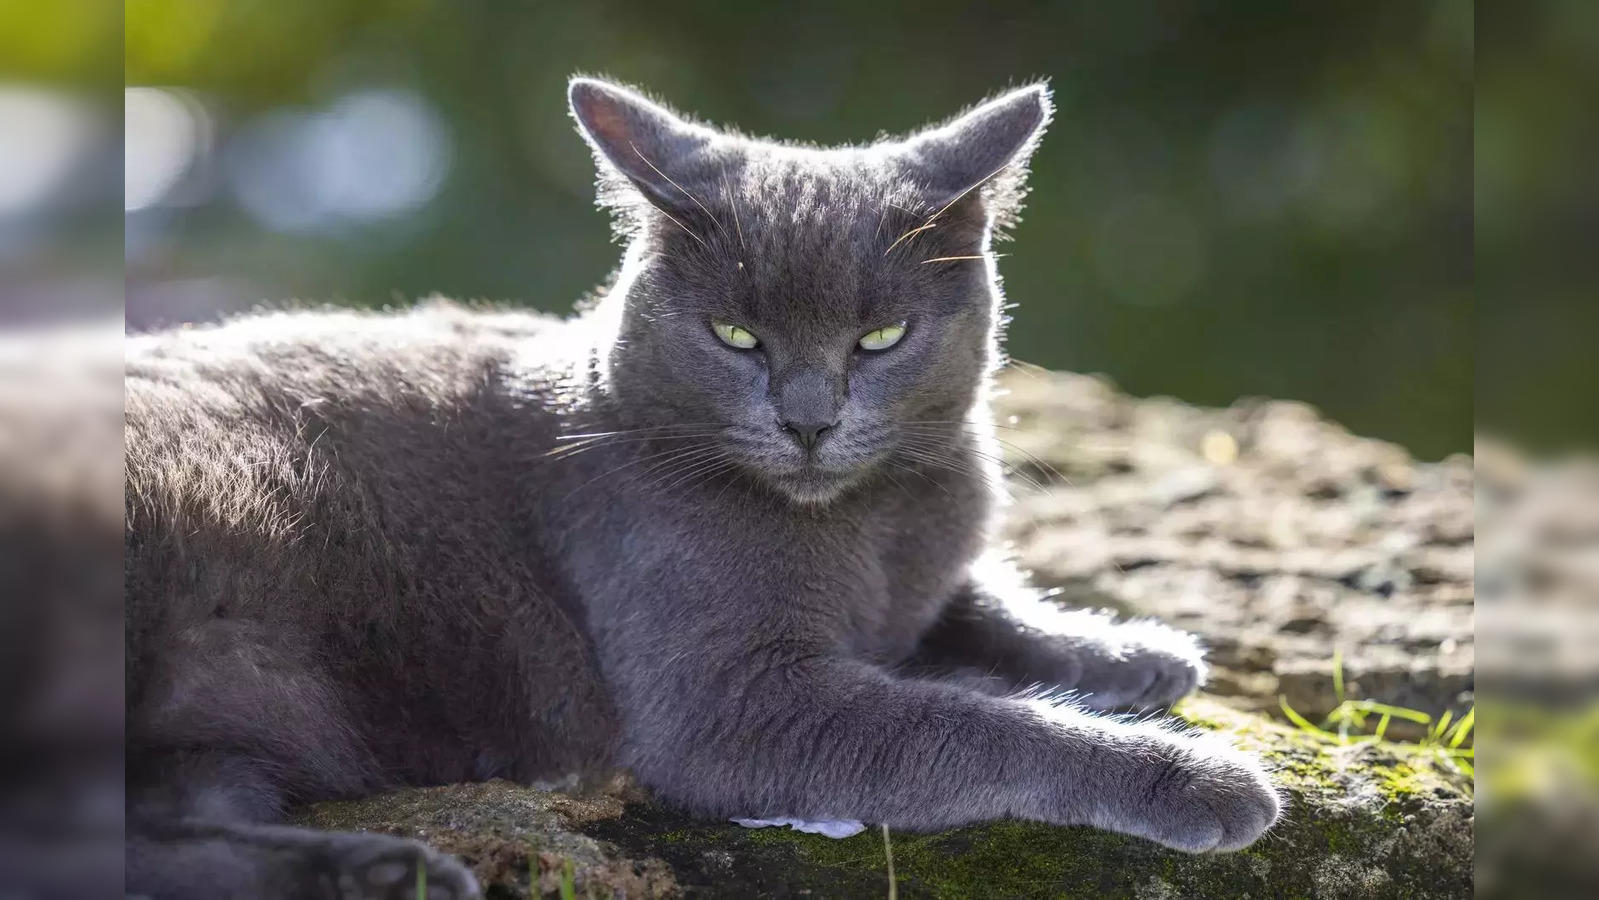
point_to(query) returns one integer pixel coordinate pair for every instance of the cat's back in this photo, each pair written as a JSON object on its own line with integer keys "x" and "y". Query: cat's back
{"x": 352, "y": 488}
{"x": 433, "y": 353}
{"x": 316, "y": 443}
{"x": 227, "y": 423}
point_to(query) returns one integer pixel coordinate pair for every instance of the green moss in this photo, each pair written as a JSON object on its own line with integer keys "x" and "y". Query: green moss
{"x": 1399, "y": 781}
{"x": 866, "y": 847}
{"x": 1023, "y": 859}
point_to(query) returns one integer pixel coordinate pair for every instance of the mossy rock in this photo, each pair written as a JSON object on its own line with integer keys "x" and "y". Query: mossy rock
{"x": 1363, "y": 820}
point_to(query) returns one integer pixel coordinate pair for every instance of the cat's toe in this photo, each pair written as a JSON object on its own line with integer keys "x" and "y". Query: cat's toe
{"x": 1144, "y": 680}
{"x": 1148, "y": 675}
{"x": 396, "y": 869}
{"x": 1173, "y": 678}
{"x": 1207, "y": 797}
{"x": 1244, "y": 802}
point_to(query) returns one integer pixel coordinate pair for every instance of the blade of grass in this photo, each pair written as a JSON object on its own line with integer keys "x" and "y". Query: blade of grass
{"x": 1463, "y": 728}
{"x": 1304, "y": 723}
{"x": 1440, "y": 727}
{"x": 1398, "y": 712}
{"x": 888, "y": 853}
{"x": 1346, "y": 714}
{"x": 568, "y": 880}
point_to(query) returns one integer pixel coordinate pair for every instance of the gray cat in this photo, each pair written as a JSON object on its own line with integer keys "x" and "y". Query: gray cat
{"x": 728, "y": 528}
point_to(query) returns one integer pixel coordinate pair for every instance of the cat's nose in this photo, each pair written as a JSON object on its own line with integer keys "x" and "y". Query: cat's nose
{"x": 808, "y": 400}
{"x": 808, "y": 433}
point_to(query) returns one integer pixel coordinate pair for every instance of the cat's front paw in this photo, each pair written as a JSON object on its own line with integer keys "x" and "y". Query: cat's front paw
{"x": 1200, "y": 795}
{"x": 1139, "y": 665}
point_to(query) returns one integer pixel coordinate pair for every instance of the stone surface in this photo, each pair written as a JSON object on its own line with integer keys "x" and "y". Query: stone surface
{"x": 1277, "y": 536}
{"x": 1280, "y": 538}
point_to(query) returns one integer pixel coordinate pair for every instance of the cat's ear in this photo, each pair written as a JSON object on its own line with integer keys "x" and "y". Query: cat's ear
{"x": 986, "y": 148}
{"x": 637, "y": 138}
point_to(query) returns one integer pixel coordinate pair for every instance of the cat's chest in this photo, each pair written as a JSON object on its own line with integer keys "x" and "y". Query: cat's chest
{"x": 918, "y": 557}
{"x": 869, "y": 575}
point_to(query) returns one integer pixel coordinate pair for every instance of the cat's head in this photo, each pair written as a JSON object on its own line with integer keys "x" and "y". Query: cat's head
{"x": 809, "y": 311}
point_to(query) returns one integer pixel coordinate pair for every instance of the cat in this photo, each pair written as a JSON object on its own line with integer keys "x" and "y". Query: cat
{"x": 730, "y": 528}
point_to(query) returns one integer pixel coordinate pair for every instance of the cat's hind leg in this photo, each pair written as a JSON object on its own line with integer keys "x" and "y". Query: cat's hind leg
{"x": 231, "y": 724}
{"x": 199, "y": 827}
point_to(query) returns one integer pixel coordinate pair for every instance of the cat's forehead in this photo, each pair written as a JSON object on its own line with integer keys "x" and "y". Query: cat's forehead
{"x": 815, "y": 234}
{"x": 831, "y": 193}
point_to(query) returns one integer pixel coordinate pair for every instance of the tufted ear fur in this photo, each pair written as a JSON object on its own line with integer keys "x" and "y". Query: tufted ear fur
{"x": 650, "y": 146}
{"x": 985, "y": 149}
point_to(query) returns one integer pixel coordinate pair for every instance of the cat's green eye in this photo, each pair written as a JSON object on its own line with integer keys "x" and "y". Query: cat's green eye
{"x": 883, "y": 338}
{"x": 734, "y": 336}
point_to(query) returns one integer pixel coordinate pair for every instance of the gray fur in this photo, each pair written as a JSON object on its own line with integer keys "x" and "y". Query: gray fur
{"x": 451, "y": 544}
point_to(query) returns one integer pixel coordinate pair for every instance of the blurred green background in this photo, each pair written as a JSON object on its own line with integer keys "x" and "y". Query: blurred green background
{"x": 1236, "y": 198}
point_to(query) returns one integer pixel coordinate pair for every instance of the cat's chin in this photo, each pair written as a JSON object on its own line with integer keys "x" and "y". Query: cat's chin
{"x": 814, "y": 487}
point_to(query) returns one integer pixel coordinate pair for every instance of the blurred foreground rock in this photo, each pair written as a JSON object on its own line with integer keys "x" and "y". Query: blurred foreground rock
{"x": 1277, "y": 536}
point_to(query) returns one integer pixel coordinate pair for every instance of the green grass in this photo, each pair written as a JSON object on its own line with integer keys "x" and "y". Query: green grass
{"x": 568, "y": 880}
{"x": 888, "y": 854}
{"x": 1350, "y": 722}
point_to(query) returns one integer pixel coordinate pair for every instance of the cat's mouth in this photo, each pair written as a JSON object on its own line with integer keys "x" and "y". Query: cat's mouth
{"x": 811, "y": 476}
{"x": 812, "y": 481}
{"x": 814, "y": 485}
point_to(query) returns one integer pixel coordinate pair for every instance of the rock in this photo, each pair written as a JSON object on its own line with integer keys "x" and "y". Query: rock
{"x": 509, "y": 834}
{"x": 1362, "y": 821}
{"x": 1278, "y": 537}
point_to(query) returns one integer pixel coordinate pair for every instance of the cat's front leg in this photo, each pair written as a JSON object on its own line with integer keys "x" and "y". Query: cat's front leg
{"x": 1018, "y": 640}
{"x": 745, "y": 709}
